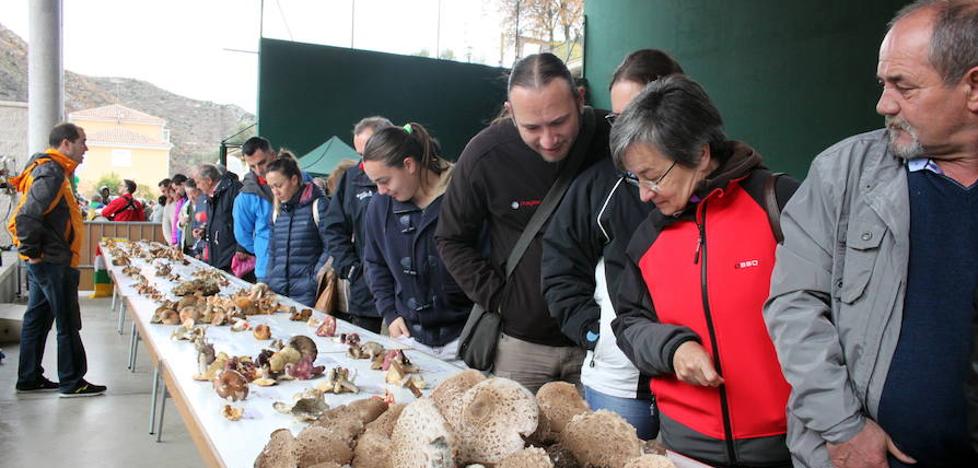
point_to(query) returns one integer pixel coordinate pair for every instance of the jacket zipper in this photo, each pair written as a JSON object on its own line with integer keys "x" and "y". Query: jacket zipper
{"x": 724, "y": 405}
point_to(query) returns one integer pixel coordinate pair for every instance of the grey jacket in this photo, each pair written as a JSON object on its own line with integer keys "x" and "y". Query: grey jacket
{"x": 837, "y": 291}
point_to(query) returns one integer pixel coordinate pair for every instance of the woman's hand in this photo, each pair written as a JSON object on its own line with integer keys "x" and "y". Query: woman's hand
{"x": 694, "y": 366}
{"x": 398, "y": 328}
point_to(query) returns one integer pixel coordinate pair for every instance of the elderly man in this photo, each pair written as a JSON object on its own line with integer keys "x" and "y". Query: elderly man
{"x": 220, "y": 190}
{"x": 872, "y": 305}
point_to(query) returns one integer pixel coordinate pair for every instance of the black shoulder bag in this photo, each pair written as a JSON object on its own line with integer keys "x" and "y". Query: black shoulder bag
{"x": 477, "y": 343}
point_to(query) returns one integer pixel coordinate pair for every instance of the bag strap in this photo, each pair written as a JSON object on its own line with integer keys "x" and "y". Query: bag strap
{"x": 315, "y": 211}
{"x": 771, "y": 205}
{"x": 574, "y": 161}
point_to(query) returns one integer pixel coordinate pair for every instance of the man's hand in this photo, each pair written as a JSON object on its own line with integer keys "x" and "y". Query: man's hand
{"x": 34, "y": 261}
{"x": 868, "y": 448}
{"x": 398, "y": 328}
{"x": 198, "y": 233}
{"x": 694, "y": 366}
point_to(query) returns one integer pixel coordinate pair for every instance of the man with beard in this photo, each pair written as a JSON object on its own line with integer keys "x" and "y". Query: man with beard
{"x": 872, "y": 306}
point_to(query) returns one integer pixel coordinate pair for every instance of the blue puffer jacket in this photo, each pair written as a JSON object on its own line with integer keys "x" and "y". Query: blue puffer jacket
{"x": 297, "y": 246}
{"x": 405, "y": 272}
{"x": 252, "y": 221}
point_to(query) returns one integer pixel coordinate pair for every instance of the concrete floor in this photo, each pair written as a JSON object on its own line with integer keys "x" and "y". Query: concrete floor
{"x": 104, "y": 431}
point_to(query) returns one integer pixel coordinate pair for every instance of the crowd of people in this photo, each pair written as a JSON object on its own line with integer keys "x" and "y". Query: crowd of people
{"x": 742, "y": 317}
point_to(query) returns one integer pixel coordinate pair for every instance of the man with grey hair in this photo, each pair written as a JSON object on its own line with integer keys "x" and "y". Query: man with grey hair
{"x": 872, "y": 306}
{"x": 344, "y": 229}
{"x": 220, "y": 190}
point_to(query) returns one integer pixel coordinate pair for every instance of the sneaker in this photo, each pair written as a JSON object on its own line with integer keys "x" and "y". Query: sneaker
{"x": 84, "y": 389}
{"x": 44, "y": 385}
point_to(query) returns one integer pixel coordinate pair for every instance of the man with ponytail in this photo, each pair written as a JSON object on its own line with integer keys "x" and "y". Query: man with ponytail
{"x": 500, "y": 180}
{"x": 421, "y": 303}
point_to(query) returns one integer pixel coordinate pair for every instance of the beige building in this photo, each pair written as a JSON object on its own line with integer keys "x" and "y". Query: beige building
{"x": 125, "y": 141}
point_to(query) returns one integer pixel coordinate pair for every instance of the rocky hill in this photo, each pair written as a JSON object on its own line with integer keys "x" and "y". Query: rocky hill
{"x": 196, "y": 127}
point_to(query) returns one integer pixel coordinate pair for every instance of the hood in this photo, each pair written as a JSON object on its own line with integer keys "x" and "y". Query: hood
{"x": 253, "y": 184}
{"x": 226, "y": 180}
{"x": 304, "y": 196}
{"x": 737, "y": 161}
{"x": 68, "y": 164}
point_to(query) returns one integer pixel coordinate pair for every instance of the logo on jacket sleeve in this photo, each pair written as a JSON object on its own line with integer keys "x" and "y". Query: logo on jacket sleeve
{"x": 525, "y": 204}
{"x": 365, "y": 194}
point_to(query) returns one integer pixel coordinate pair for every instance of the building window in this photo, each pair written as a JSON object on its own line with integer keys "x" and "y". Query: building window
{"x": 121, "y": 158}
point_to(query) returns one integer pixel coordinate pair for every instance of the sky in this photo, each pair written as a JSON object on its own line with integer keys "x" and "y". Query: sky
{"x": 205, "y": 49}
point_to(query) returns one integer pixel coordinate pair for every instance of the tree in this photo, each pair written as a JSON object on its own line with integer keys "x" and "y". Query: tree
{"x": 423, "y": 53}
{"x": 542, "y": 19}
{"x": 447, "y": 54}
{"x": 110, "y": 180}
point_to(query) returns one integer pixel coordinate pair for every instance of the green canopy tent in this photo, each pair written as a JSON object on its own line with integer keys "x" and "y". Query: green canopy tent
{"x": 321, "y": 161}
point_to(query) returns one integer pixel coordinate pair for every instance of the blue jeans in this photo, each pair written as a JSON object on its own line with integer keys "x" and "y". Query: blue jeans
{"x": 52, "y": 299}
{"x": 638, "y": 413}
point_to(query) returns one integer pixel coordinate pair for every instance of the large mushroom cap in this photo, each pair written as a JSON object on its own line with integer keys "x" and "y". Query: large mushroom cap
{"x": 280, "y": 452}
{"x": 372, "y": 450}
{"x": 305, "y": 346}
{"x": 318, "y": 445}
{"x": 231, "y": 384}
{"x": 421, "y": 437}
{"x": 496, "y": 414}
{"x": 559, "y": 402}
{"x": 650, "y": 461}
{"x": 385, "y": 422}
{"x": 448, "y": 394}
{"x": 530, "y": 457}
{"x": 601, "y": 438}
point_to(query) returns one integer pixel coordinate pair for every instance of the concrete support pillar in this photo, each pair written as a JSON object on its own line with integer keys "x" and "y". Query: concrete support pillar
{"x": 45, "y": 72}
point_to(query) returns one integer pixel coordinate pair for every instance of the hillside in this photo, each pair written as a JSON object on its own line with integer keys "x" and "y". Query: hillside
{"x": 196, "y": 127}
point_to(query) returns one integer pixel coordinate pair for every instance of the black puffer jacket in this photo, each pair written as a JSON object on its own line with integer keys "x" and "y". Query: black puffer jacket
{"x": 220, "y": 222}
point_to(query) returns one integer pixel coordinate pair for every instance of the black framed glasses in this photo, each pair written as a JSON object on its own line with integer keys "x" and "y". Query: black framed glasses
{"x": 611, "y": 117}
{"x": 653, "y": 185}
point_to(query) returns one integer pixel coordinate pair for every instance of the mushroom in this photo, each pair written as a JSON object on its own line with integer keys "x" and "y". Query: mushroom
{"x": 368, "y": 350}
{"x": 287, "y": 355}
{"x": 280, "y": 452}
{"x": 300, "y": 316}
{"x": 558, "y": 402}
{"x": 497, "y": 414}
{"x": 448, "y": 394}
{"x": 328, "y": 327}
{"x": 562, "y": 457}
{"x": 190, "y": 313}
{"x": 421, "y": 437}
{"x": 240, "y": 325}
{"x": 262, "y": 332}
{"x": 305, "y": 346}
{"x": 214, "y": 368}
{"x": 650, "y": 461}
{"x": 303, "y": 409}
{"x": 320, "y": 445}
{"x": 338, "y": 380}
{"x": 304, "y": 369}
{"x": 384, "y": 423}
{"x": 205, "y": 355}
{"x": 373, "y": 449}
{"x": 218, "y": 317}
{"x": 601, "y": 438}
{"x": 231, "y": 413}
{"x": 530, "y": 457}
{"x": 230, "y": 384}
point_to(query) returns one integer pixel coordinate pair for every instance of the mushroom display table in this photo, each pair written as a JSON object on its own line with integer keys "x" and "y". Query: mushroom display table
{"x": 223, "y": 442}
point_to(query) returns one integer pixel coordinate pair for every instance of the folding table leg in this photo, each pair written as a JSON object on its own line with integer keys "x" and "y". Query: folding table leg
{"x": 159, "y": 425}
{"x": 155, "y": 397}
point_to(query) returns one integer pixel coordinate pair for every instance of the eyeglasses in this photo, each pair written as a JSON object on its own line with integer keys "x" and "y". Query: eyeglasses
{"x": 653, "y": 185}
{"x": 611, "y": 117}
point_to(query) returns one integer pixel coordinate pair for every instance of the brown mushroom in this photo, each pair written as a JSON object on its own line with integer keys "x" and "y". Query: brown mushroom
{"x": 280, "y": 452}
{"x": 386, "y": 421}
{"x": 601, "y": 438}
{"x": 262, "y": 332}
{"x": 496, "y": 415}
{"x": 421, "y": 437}
{"x": 650, "y": 461}
{"x": 230, "y": 384}
{"x": 448, "y": 394}
{"x": 372, "y": 450}
{"x": 305, "y": 346}
{"x": 530, "y": 457}
{"x": 559, "y": 402}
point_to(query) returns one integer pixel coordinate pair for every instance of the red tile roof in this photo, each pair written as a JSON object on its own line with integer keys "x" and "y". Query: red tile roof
{"x": 116, "y": 112}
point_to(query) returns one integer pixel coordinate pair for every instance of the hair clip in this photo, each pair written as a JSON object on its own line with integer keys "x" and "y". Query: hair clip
{"x": 408, "y": 129}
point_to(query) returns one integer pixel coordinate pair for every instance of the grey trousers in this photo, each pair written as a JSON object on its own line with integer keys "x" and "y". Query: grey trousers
{"x": 534, "y": 364}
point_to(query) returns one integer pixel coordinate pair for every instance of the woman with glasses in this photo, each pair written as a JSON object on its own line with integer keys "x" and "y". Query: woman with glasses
{"x": 584, "y": 254}
{"x": 699, "y": 271}
{"x": 419, "y": 300}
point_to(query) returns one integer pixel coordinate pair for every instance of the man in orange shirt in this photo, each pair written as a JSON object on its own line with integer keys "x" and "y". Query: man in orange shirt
{"x": 46, "y": 227}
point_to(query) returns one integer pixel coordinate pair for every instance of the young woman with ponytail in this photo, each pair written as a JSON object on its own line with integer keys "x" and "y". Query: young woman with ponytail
{"x": 419, "y": 300}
